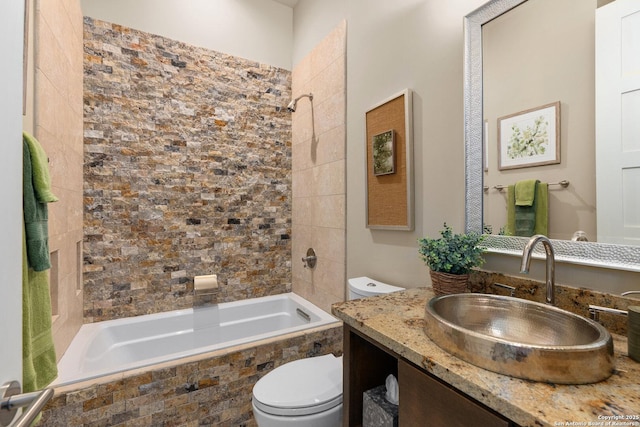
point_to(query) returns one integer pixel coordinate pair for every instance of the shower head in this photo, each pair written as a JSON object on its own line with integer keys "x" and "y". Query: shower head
{"x": 292, "y": 105}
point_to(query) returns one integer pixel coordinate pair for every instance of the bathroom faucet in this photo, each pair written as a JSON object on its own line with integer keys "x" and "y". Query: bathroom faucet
{"x": 551, "y": 264}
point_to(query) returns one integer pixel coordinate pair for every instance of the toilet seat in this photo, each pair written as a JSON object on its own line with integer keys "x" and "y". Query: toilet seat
{"x": 303, "y": 387}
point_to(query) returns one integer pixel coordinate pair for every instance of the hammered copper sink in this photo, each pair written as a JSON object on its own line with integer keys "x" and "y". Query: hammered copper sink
{"x": 520, "y": 338}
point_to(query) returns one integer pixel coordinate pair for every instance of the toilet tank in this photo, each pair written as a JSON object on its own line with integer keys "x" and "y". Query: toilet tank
{"x": 362, "y": 287}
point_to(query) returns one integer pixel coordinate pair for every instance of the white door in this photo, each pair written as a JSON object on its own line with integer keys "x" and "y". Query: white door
{"x": 618, "y": 122}
{"x": 11, "y": 41}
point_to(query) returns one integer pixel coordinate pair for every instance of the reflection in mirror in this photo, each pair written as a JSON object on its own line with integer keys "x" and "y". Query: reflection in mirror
{"x": 538, "y": 53}
{"x": 589, "y": 253}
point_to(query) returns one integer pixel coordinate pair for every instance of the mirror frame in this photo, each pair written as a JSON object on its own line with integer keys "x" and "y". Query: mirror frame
{"x": 621, "y": 257}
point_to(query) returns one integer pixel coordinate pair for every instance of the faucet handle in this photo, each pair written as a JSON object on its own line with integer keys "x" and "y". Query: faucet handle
{"x": 511, "y": 289}
{"x": 311, "y": 259}
{"x": 624, "y": 294}
{"x": 595, "y": 310}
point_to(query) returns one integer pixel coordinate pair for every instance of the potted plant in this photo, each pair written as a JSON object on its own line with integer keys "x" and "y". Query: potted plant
{"x": 450, "y": 257}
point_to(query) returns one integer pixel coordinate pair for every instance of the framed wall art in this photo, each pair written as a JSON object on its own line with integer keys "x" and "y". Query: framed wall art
{"x": 389, "y": 160}
{"x": 382, "y": 146}
{"x": 529, "y": 138}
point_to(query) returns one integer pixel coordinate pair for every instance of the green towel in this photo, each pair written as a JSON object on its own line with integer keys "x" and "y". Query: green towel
{"x": 542, "y": 209}
{"x": 510, "y": 227}
{"x": 39, "y": 366}
{"x": 35, "y": 212}
{"x": 40, "y": 170}
{"x": 528, "y": 220}
{"x": 525, "y": 192}
{"x": 38, "y": 352}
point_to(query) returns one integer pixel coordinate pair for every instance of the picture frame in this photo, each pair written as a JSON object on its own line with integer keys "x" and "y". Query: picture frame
{"x": 389, "y": 192}
{"x": 529, "y": 138}
{"x": 383, "y": 149}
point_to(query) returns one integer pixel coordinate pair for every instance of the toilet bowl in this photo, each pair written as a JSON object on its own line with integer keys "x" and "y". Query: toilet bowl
{"x": 308, "y": 392}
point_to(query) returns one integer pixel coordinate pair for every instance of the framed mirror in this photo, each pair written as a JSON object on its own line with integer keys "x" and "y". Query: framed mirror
{"x": 605, "y": 255}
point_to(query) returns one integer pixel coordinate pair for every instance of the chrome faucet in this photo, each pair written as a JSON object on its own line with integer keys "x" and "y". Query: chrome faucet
{"x": 551, "y": 264}
{"x": 624, "y": 294}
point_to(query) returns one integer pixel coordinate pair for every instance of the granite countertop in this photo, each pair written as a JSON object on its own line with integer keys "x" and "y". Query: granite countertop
{"x": 396, "y": 321}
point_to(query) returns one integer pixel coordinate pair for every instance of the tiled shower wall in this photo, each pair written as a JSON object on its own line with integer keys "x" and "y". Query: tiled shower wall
{"x": 58, "y": 127}
{"x": 319, "y": 174}
{"x": 187, "y": 172}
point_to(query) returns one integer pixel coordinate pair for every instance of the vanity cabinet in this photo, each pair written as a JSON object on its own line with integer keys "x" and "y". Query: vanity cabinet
{"x": 424, "y": 399}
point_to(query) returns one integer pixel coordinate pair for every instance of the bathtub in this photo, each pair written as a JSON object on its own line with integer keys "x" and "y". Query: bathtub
{"x": 113, "y": 346}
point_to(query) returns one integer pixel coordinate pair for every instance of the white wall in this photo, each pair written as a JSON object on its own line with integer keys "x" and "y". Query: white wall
{"x": 312, "y": 21}
{"x": 416, "y": 44}
{"x": 11, "y": 39}
{"x": 259, "y": 30}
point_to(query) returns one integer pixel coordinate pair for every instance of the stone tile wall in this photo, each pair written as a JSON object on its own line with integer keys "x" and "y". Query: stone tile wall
{"x": 187, "y": 172}
{"x": 212, "y": 391}
{"x": 575, "y": 300}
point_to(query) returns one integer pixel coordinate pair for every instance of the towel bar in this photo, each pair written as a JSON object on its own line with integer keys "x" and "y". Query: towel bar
{"x": 564, "y": 184}
{"x": 12, "y": 400}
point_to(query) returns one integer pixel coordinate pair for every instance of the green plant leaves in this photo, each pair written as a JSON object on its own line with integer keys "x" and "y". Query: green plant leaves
{"x": 452, "y": 253}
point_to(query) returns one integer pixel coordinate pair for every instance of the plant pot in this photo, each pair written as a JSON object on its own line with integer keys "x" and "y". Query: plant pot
{"x": 446, "y": 284}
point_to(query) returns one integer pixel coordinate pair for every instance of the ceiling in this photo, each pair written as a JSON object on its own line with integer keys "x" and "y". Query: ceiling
{"x": 290, "y": 3}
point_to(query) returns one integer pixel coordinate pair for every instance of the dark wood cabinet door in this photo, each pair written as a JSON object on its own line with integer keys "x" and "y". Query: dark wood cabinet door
{"x": 425, "y": 401}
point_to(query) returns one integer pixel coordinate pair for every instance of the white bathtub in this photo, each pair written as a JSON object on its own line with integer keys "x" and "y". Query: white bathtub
{"x": 113, "y": 346}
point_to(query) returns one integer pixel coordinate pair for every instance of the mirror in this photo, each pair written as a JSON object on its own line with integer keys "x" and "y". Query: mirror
{"x": 588, "y": 253}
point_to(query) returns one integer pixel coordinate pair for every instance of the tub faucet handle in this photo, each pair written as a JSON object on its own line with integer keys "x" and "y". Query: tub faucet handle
{"x": 311, "y": 259}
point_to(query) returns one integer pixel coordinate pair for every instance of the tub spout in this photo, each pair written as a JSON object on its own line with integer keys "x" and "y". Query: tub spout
{"x": 205, "y": 290}
{"x": 205, "y": 299}
{"x": 551, "y": 264}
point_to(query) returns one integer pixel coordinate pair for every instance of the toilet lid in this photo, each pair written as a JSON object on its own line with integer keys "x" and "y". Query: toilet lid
{"x": 368, "y": 287}
{"x": 302, "y": 387}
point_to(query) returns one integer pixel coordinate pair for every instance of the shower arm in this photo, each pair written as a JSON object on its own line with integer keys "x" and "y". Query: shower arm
{"x": 293, "y": 104}
{"x": 307, "y": 95}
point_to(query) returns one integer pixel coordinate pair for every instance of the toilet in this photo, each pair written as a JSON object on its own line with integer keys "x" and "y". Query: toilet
{"x": 362, "y": 287}
{"x": 308, "y": 392}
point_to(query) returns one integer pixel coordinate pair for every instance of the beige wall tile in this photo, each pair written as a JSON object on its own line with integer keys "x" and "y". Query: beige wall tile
{"x": 302, "y": 211}
{"x": 331, "y": 81}
{"x": 304, "y": 239}
{"x": 302, "y": 156}
{"x": 319, "y": 190}
{"x": 58, "y": 127}
{"x": 331, "y": 145}
{"x": 330, "y": 114}
{"x": 329, "y": 49}
{"x": 329, "y": 211}
{"x": 329, "y": 178}
{"x": 332, "y": 275}
{"x": 301, "y": 125}
{"x": 301, "y": 76}
{"x": 330, "y": 243}
{"x": 303, "y": 183}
